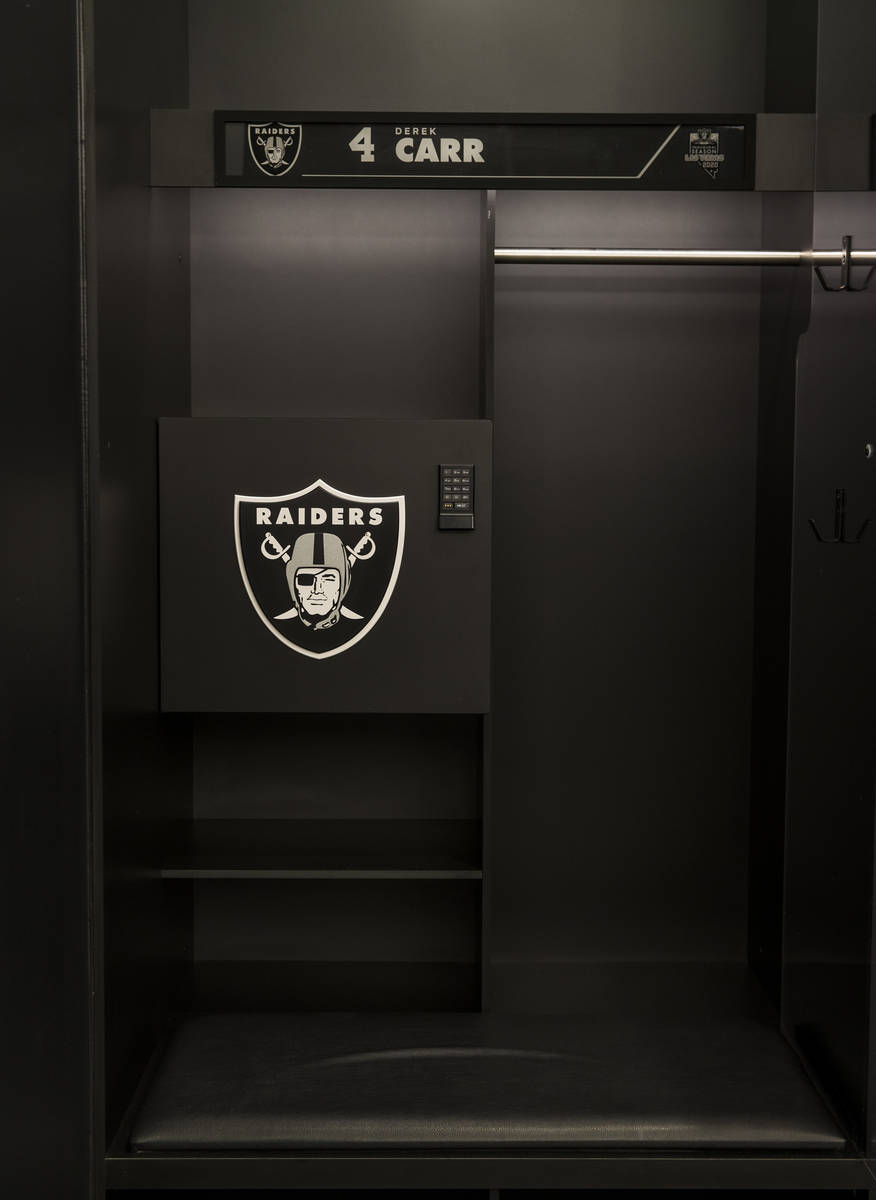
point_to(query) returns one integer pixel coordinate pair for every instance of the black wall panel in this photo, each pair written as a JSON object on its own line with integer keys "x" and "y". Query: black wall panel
{"x": 331, "y": 303}
{"x": 625, "y": 453}
{"x": 261, "y": 767}
{"x": 45, "y": 858}
{"x": 828, "y": 993}
{"x": 493, "y": 56}
{"x": 786, "y": 294}
{"x": 830, "y": 756}
{"x": 335, "y": 921}
{"x": 142, "y": 249}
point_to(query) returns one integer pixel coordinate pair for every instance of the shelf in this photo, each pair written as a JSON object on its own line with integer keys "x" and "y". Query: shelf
{"x": 337, "y": 872}
{"x": 365, "y": 850}
{"x": 275, "y": 1083}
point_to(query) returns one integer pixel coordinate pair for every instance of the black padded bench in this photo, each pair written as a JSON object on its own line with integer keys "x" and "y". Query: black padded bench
{"x": 278, "y": 1082}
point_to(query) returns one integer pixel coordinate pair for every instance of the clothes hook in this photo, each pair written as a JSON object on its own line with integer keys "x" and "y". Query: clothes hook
{"x": 845, "y": 284}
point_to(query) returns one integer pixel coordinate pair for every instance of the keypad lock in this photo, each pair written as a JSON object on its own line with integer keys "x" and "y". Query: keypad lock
{"x": 456, "y": 496}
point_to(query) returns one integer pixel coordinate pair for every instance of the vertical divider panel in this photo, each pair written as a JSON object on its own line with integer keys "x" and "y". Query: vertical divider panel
{"x": 487, "y": 411}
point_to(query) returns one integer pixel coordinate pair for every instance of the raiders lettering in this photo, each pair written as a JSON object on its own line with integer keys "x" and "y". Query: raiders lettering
{"x": 318, "y": 516}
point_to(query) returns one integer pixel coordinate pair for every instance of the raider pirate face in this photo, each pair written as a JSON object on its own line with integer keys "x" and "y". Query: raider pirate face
{"x": 319, "y": 566}
{"x": 274, "y": 146}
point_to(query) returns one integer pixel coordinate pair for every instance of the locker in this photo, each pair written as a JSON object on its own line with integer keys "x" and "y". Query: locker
{"x": 442, "y": 537}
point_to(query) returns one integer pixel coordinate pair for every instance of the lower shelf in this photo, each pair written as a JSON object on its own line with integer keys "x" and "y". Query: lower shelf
{"x": 277, "y": 1083}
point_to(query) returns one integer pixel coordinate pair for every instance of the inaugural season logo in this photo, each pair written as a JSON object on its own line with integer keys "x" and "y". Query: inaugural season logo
{"x": 319, "y": 565}
{"x": 704, "y": 147}
{"x": 274, "y": 146}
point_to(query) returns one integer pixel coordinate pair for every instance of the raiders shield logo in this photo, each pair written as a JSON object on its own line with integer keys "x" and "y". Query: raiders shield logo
{"x": 319, "y": 565}
{"x": 274, "y": 146}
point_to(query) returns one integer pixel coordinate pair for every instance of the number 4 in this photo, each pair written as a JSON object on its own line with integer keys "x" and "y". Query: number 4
{"x": 362, "y": 141}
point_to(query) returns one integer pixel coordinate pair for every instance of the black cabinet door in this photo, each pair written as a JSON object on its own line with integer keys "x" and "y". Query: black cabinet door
{"x": 306, "y": 565}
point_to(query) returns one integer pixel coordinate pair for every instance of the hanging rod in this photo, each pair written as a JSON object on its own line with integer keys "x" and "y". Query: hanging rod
{"x": 740, "y": 258}
{"x": 845, "y": 259}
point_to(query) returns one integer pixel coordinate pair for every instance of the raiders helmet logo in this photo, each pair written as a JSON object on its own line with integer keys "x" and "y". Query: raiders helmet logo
{"x": 319, "y": 565}
{"x": 274, "y": 146}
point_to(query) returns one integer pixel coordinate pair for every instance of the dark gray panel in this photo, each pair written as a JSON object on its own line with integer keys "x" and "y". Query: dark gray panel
{"x": 785, "y": 308}
{"x": 428, "y": 652}
{"x": 846, "y": 93}
{"x": 497, "y": 55}
{"x": 625, "y": 427}
{"x": 831, "y": 768}
{"x": 336, "y": 921}
{"x": 785, "y": 154}
{"x": 180, "y": 147}
{"x": 791, "y": 49}
{"x": 846, "y": 35}
{"x": 844, "y": 152}
{"x": 618, "y": 220}
{"x": 273, "y": 767}
{"x": 142, "y": 372}
{"x": 335, "y": 303}
{"x": 46, "y": 1001}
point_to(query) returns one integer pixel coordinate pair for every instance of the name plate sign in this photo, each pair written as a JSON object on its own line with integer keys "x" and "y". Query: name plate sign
{"x": 276, "y": 148}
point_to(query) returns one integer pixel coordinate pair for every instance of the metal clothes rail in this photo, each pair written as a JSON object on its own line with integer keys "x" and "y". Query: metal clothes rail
{"x": 845, "y": 258}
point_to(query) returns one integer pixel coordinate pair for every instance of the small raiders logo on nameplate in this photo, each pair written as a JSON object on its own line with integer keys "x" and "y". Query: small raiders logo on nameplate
{"x": 319, "y": 565}
{"x": 274, "y": 146}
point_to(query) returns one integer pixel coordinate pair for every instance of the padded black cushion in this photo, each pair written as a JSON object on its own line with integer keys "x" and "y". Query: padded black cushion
{"x": 289, "y": 1082}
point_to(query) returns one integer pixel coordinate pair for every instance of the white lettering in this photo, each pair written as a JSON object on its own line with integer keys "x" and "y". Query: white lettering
{"x": 426, "y": 151}
{"x": 471, "y": 150}
{"x": 449, "y": 150}
{"x": 403, "y": 149}
{"x": 318, "y": 516}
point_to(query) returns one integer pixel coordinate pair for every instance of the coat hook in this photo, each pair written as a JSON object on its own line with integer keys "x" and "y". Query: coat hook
{"x": 845, "y": 271}
{"x": 839, "y": 519}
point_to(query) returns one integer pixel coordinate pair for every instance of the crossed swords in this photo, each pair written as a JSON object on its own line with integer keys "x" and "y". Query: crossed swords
{"x": 354, "y": 554}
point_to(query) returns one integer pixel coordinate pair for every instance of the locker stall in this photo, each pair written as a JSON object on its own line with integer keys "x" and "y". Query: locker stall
{"x": 482, "y": 576}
